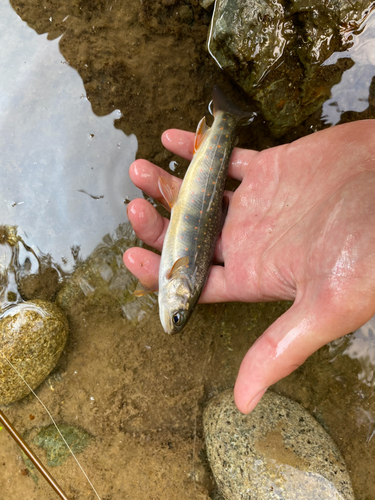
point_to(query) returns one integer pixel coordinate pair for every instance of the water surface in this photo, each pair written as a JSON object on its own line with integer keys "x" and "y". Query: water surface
{"x": 64, "y": 170}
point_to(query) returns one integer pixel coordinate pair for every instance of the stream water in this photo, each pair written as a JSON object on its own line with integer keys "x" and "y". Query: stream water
{"x": 85, "y": 87}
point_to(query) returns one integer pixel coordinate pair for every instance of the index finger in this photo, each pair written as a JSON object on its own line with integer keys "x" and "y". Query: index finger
{"x": 181, "y": 143}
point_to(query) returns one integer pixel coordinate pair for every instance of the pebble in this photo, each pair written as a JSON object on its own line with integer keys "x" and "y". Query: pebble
{"x": 277, "y": 452}
{"x": 32, "y": 337}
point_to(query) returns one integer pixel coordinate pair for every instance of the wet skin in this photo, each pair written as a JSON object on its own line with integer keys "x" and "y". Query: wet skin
{"x": 301, "y": 226}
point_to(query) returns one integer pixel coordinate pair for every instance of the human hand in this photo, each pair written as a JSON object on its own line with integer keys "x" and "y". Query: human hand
{"x": 301, "y": 226}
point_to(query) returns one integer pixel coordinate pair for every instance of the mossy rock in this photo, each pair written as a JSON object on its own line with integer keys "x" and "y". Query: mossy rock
{"x": 56, "y": 450}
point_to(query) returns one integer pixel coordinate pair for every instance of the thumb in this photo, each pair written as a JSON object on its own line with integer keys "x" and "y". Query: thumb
{"x": 288, "y": 342}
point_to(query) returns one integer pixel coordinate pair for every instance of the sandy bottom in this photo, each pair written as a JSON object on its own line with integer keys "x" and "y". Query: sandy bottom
{"x": 140, "y": 394}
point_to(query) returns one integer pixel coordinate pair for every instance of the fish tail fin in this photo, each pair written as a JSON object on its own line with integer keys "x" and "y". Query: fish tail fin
{"x": 222, "y": 103}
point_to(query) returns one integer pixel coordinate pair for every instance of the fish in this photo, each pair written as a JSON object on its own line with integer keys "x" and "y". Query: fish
{"x": 198, "y": 211}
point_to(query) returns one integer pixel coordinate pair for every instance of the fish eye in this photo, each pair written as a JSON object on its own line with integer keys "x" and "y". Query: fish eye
{"x": 176, "y": 318}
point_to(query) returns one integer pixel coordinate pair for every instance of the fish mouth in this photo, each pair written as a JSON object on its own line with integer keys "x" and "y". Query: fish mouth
{"x": 165, "y": 319}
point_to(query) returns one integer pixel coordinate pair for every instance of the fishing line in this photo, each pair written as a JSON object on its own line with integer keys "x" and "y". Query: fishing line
{"x": 54, "y": 423}
{"x": 210, "y": 108}
{"x": 210, "y": 35}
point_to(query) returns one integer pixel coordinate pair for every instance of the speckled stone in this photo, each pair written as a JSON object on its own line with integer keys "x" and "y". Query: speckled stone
{"x": 277, "y": 452}
{"x": 32, "y": 337}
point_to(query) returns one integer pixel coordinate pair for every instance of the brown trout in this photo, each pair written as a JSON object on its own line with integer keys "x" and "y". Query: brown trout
{"x": 197, "y": 216}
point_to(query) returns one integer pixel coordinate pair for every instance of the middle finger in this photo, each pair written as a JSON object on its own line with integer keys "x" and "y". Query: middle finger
{"x": 181, "y": 143}
{"x": 145, "y": 175}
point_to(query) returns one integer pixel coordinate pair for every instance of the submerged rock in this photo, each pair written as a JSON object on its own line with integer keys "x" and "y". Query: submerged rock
{"x": 56, "y": 450}
{"x": 42, "y": 285}
{"x": 32, "y": 337}
{"x": 276, "y": 50}
{"x": 277, "y": 452}
{"x": 103, "y": 276}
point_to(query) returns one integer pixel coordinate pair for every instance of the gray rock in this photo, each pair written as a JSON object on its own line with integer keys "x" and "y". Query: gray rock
{"x": 277, "y": 452}
{"x": 247, "y": 38}
{"x": 32, "y": 337}
{"x": 275, "y": 51}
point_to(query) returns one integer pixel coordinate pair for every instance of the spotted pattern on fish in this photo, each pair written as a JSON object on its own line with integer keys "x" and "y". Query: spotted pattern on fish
{"x": 211, "y": 162}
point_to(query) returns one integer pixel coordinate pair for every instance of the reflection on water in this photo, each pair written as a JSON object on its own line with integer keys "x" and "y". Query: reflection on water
{"x": 362, "y": 347}
{"x": 64, "y": 170}
{"x": 352, "y": 93}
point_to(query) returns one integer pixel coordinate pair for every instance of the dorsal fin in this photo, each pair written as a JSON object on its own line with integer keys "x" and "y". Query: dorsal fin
{"x": 182, "y": 261}
{"x": 200, "y": 134}
{"x": 169, "y": 189}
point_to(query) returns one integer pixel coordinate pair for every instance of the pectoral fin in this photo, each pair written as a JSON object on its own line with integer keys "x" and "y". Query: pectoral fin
{"x": 169, "y": 188}
{"x": 141, "y": 290}
{"x": 200, "y": 134}
{"x": 181, "y": 262}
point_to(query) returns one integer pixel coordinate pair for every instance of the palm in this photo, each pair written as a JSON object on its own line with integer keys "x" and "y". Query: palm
{"x": 301, "y": 221}
{"x": 300, "y": 226}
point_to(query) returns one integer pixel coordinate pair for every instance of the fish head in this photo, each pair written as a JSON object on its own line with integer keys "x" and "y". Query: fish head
{"x": 175, "y": 304}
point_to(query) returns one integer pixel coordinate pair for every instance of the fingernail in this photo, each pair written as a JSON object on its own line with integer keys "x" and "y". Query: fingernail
{"x": 250, "y": 407}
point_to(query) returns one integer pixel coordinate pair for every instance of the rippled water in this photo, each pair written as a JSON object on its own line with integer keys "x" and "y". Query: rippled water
{"x": 82, "y": 86}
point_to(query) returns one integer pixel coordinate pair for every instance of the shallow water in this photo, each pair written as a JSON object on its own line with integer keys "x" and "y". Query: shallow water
{"x": 101, "y": 79}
